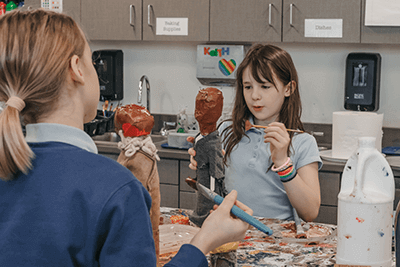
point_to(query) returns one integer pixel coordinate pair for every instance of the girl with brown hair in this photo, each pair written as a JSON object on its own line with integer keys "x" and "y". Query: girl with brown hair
{"x": 61, "y": 204}
{"x": 275, "y": 171}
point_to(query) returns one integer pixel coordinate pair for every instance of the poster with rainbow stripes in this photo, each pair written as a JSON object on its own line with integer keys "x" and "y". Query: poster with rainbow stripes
{"x": 217, "y": 64}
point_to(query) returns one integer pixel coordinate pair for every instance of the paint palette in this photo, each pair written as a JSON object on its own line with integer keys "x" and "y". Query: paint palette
{"x": 173, "y": 236}
{"x": 316, "y": 233}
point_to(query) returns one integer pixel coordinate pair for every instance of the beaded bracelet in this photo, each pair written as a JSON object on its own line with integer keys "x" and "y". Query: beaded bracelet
{"x": 283, "y": 167}
{"x": 288, "y": 174}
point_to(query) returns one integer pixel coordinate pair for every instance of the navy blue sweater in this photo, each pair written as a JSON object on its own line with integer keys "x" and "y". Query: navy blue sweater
{"x": 76, "y": 208}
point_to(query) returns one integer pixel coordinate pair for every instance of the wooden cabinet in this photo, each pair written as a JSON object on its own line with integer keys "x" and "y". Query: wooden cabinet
{"x": 175, "y": 192}
{"x": 187, "y": 195}
{"x": 296, "y": 12}
{"x": 121, "y": 20}
{"x": 330, "y": 187}
{"x": 378, "y": 34}
{"x": 245, "y": 21}
{"x": 195, "y": 11}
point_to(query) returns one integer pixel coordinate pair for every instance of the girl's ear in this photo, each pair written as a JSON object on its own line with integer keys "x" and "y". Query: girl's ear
{"x": 75, "y": 68}
{"x": 289, "y": 88}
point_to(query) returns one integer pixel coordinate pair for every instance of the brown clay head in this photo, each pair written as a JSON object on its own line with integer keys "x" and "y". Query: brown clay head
{"x": 133, "y": 120}
{"x": 209, "y": 104}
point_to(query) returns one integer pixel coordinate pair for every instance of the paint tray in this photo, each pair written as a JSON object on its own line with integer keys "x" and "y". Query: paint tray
{"x": 173, "y": 236}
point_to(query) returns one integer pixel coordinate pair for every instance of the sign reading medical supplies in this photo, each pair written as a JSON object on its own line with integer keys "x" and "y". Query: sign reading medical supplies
{"x": 172, "y": 26}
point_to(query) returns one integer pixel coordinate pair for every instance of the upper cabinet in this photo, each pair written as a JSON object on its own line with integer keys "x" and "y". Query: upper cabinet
{"x": 290, "y": 21}
{"x": 245, "y": 21}
{"x": 121, "y": 20}
{"x": 378, "y": 34}
{"x": 335, "y": 21}
{"x": 176, "y": 20}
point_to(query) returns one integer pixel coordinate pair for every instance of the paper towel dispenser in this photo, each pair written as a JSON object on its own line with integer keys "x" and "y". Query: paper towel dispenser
{"x": 217, "y": 64}
{"x": 109, "y": 66}
{"x": 363, "y": 76}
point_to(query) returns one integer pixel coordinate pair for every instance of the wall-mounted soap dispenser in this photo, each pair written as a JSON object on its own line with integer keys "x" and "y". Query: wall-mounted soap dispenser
{"x": 363, "y": 77}
{"x": 109, "y": 65}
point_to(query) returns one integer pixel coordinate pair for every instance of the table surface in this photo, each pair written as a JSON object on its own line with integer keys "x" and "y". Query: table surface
{"x": 259, "y": 249}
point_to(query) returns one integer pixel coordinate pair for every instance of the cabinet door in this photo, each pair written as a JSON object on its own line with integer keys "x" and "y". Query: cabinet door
{"x": 169, "y": 196}
{"x": 322, "y": 18}
{"x": 195, "y": 11}
{"x": 327, "y": 214}
{"x": 70, "y": 7}
{"x": 168, "y": 171}
{"x": 185, "y": 172}
{"x": 330, "y": 187}
{"x": 378, "y": 34}
{"x": 246, "y": 21}
{"x": 121, "y": 20}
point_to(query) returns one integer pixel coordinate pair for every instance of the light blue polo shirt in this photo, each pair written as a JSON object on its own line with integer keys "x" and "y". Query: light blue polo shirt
{"x": 247, "y": 172}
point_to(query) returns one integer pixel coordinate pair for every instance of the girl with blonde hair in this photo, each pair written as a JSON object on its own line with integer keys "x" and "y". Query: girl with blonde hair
{"x": 61, "y": 204}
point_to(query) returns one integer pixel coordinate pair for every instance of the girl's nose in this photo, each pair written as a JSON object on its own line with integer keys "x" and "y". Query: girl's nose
{"x": 256, "y": 94}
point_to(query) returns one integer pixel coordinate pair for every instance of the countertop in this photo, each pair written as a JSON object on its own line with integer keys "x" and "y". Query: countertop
{"x": 181, "y": 154}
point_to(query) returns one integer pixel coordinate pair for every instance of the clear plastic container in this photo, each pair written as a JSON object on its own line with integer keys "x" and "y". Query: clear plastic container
{"x": 178, "y": 140}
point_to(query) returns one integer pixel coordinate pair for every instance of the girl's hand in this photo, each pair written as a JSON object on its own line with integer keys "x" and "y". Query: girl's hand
{"x": 278, "y": 138}
{"x": 192, "y": 153}
{"x": 221, "y": 227}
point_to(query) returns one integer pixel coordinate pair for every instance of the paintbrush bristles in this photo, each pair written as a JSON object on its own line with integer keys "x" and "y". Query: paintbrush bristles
{"x": 248, "y": 125}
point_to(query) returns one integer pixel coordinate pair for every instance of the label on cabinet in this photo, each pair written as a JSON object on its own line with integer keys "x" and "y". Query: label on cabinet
{"x": 172, "y": 26}
{"x": 323, "y": 28}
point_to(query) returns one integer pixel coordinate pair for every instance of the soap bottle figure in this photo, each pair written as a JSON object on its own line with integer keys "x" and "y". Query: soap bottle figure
{"x": 365, "y": 208}
{"x": 182, "y": 121}
{"x": 207, "y": 144}
{"x": 10, "y": 6}
{"x": 2, "y": 8}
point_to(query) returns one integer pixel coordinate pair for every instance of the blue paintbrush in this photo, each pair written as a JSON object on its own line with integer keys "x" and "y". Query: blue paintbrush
{"x": 238, "y": 212}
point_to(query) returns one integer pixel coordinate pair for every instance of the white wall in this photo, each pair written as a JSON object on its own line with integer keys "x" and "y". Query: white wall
{"x": 171, "y": 68}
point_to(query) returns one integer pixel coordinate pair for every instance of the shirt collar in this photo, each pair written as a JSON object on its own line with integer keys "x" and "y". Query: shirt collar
{"x": 52, "y": 132}
{"x": 251, "y": 120}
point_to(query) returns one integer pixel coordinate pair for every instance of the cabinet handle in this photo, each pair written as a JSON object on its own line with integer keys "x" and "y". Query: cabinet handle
{"x": 291, "y": 15}
{"x": 149, "y": 7}
{"x": 270, "y": 15}
{"x": 131, "y": 12}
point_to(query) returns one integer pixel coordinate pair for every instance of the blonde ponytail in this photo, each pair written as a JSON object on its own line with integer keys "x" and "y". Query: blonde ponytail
{"x": 15, "y": 154}
{"x": 35, "y": 52}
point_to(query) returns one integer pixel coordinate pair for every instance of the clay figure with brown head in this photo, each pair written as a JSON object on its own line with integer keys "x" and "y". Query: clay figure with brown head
{"x": 209, "y": 104}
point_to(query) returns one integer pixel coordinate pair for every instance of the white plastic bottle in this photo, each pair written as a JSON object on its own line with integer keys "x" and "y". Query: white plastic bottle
{"x": 365, "y": 208}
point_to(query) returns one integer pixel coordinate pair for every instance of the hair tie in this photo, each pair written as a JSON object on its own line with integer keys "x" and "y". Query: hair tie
{"x": 16, "y": 102}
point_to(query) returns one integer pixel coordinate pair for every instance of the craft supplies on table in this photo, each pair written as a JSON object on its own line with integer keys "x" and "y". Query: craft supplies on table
{"x": 280, "y": 249}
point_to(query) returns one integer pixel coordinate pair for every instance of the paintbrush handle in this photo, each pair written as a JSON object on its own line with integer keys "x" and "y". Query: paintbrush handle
{"x": 238, "y": 212}
{"x": 289, "y": 130}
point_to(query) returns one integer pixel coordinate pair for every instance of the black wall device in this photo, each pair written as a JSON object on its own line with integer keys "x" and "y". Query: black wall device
{"x": 109, "y": 66}
{"x": 362, "y": 85}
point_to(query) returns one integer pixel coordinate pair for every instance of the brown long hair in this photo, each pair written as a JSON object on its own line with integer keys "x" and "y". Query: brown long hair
{"x": 264, "y": 61}
{"x": 35, "y": 51}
